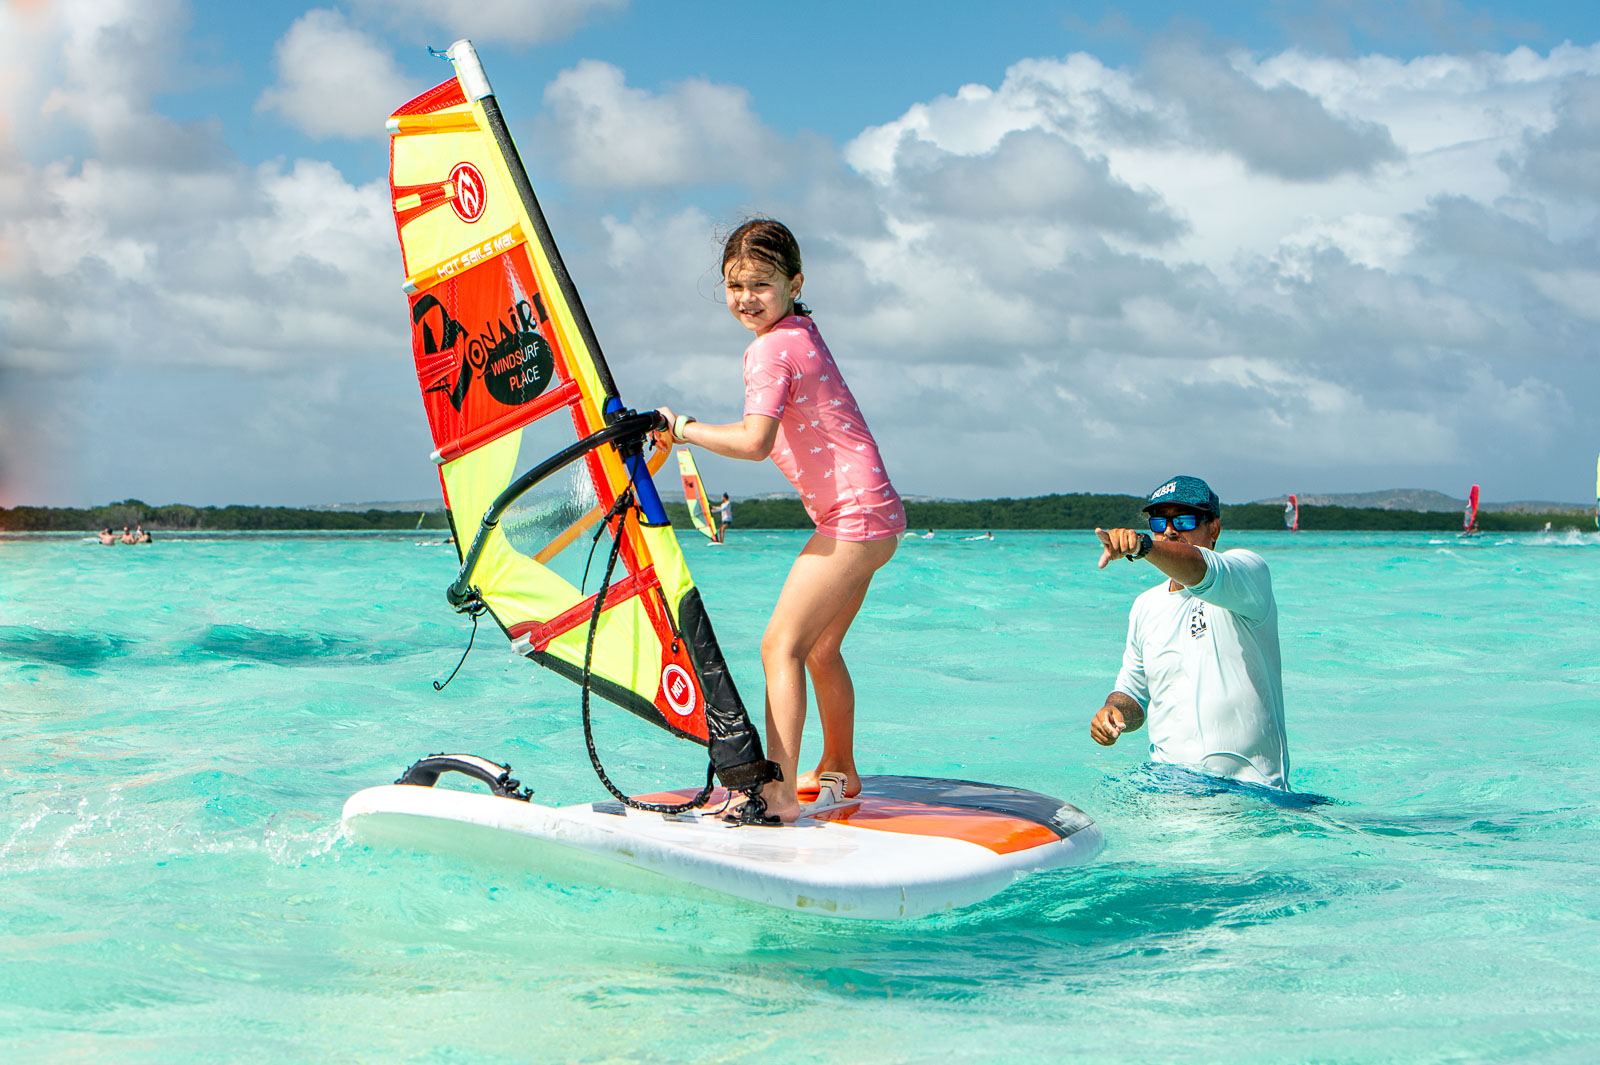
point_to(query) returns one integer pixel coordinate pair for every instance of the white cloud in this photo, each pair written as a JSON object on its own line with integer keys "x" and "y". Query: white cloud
{"x": 1369, "y": 240}
{"x": 114, "y": 60}
{"x": 507, "y": 21}
{"x": 1276, "y": 129}
{"x": 334, "y": 80}
{"x": 1576, "y": 291}
{"x": 113, "y": 56}
{"x": 1031, "y": 175}
{"x": 264, "y": 270}
{"x": 605, "y": 134}
{"x": 1566, "y": 158}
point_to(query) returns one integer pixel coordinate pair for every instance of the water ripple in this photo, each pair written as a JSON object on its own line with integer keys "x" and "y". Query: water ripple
{"x": 72, "y": 650}
{"x": 280, "y": 648}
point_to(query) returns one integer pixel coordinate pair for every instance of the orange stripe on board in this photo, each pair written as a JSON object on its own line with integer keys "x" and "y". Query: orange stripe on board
{"x": 998, "y": 832}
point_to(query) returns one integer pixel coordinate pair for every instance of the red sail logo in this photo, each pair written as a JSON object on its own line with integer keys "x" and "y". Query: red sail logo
{"x": 679, "y": 690}
{"x": 471, "y": 193}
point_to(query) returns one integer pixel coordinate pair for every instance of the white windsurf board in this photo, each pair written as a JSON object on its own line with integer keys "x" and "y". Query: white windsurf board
{"x": 907, "y": 847}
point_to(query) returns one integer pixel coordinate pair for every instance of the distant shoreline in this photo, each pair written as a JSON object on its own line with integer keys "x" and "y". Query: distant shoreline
{"x": 1069, "y": 511}
{"x": 178, "y": 517}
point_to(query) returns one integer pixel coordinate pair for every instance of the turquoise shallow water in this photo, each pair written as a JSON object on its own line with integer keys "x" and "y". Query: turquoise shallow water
{"x": 180, "y": 724}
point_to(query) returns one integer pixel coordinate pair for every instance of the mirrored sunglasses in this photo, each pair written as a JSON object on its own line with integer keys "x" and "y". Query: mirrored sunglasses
{"x": 1180, "y": 522}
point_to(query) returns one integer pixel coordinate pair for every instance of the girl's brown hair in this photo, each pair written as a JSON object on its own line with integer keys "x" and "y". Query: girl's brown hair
{"x": 765, "y": 240}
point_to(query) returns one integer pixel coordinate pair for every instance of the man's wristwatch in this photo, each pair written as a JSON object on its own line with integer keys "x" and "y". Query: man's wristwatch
{"x": 1145, "y": 544}
{"x": 679, "y": 425}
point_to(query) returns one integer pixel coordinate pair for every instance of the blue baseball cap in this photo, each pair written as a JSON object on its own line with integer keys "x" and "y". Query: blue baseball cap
{"x": 1186, "y": 491}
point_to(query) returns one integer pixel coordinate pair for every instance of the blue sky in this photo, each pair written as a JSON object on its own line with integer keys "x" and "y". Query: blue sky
{"x": 1308, "y": 247}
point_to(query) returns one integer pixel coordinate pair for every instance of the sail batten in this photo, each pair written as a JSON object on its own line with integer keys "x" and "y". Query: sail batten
{"x": 512, "y": 378}
{"x": 446, "y": 123}
{"x": 564, "y": 395}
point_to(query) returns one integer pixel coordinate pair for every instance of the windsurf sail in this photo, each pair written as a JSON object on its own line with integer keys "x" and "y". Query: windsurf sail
{"x": 1291, "y": 514}
{"x": 513, "y": 379}
{"x": 694, "y": 494}
{"x": 1469, "y": 517}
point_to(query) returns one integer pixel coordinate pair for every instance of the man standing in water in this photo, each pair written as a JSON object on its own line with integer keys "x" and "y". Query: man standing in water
{"x": 1201, "y": 666}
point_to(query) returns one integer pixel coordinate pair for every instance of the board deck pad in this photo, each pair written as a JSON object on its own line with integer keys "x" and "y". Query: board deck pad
{"x": 906, "y": 847}
{"x": 1000, "y": 818}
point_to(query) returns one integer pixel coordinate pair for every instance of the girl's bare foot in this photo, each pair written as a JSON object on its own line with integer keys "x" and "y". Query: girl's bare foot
{"x": 812, "y": 781}
{"x": 784, "y": 808}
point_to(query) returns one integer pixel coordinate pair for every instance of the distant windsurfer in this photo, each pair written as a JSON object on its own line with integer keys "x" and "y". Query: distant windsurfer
{"x": 724, "y": 518}
{"x": 798, "y": 411}
{"x": 1201, "y": 665}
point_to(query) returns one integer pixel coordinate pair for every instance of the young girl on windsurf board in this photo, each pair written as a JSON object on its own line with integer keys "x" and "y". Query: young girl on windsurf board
{"x": 798, "y": 412}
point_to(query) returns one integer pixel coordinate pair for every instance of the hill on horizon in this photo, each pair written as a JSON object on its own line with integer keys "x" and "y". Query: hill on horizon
{"x": 1425, "y": 499}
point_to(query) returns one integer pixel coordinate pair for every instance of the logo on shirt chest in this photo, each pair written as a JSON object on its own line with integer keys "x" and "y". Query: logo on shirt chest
{"x": 1197, "y": 620}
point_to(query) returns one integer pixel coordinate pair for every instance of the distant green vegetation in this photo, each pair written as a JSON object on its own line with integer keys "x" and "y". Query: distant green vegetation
{"x": 1072, "y": 511}
{"x": 1085, "y": 510}
{"x": 177, "y": 517}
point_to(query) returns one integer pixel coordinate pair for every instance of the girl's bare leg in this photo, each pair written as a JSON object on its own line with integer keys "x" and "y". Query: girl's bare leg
{"x": 823, "y": 581}
{"x": 836, "y": 700}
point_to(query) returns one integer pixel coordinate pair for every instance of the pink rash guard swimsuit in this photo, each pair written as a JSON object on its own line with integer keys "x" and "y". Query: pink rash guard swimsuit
{"x": 823, "y": 445}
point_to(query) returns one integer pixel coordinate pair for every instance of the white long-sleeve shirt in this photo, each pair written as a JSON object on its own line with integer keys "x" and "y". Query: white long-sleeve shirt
{"x": 1204, "y": 664}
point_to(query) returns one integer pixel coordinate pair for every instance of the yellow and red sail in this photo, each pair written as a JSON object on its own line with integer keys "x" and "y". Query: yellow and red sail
{"x": 512, "y": 377}
{"x": 694, "y": 494}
